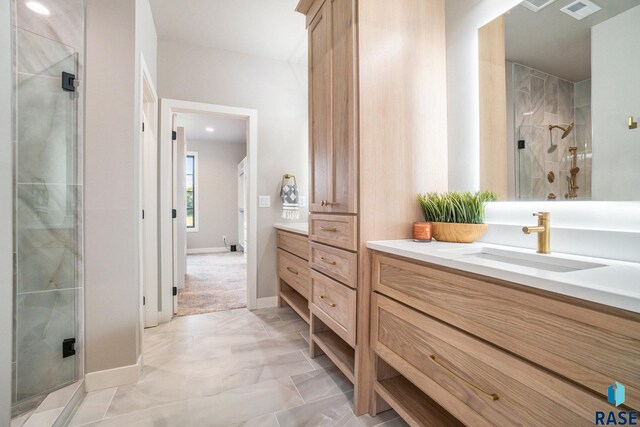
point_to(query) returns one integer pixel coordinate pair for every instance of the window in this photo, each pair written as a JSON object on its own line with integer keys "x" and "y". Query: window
{"x": 192, "y": 194}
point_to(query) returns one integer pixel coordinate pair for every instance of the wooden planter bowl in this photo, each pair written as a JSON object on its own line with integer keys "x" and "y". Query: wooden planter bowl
{"x": 457, "y": 233}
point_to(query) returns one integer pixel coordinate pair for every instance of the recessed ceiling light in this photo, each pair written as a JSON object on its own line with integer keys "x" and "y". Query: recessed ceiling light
{"x": 38, "y": 7}
{"x": 209, "y": 129}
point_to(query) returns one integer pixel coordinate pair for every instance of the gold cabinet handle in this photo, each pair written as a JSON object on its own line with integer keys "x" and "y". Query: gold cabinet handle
{"x": 326, "y": 203}
{"x": 292, "y": 270}
{"x": 326, "y": 301}
{"x": 330, "y": 229}
{"x": 328, "y": 261}
{"x": 493, "y": 396}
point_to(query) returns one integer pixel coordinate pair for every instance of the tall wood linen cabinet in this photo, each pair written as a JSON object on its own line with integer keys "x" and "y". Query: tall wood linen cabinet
{"x": 377, "y": 130}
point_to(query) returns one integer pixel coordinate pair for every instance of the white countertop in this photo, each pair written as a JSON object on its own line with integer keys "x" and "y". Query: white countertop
{"x": 294, "y": 227}
{"x": 616, "y": 283}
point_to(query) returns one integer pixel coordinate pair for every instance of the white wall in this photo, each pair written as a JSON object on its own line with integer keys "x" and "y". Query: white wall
{"x": 217, "y": 193}
{"x": 6, "y": 214}
{"x": 147, "y": 38}
{"x": 116, "y": 34}
{"x": 615, "y": 96}
{"x": 463, "y": 19}
{"x": 278, "y": 91}
{"x": 111, "y": 187}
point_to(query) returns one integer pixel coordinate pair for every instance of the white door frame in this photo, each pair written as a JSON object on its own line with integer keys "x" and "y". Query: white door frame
{"x": 148, "y": 159}
{"x": 169, "y": 107}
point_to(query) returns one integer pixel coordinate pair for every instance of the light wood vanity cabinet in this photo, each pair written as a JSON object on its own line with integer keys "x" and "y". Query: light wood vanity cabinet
{"x": 374, "y": 129}
{"x": 497, "y": 353}
{"x": 332, "y": 96}
{"x": 294, "y": 285}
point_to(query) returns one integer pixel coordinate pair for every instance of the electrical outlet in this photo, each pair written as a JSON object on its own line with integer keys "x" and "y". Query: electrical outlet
{"x": 265, "y": 201}
{"x": 303, "y": 201}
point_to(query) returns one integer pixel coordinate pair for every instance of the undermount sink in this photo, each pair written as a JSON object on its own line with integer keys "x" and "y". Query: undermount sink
{"x": 538, "y": 261}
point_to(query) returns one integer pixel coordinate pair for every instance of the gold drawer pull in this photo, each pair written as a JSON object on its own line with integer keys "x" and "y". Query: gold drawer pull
{"x": 292, "y": 270}
{"x": 326, "y": 301}
{"x": 328, "y": 261}
{"x": 493, "y": 396}
{"x": 330, "y": 229}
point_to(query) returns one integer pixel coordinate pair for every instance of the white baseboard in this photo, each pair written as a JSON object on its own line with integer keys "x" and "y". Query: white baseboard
{"x": 268, "y": 302}
{"x": 206, "y": 250}
{"x": 113, "y": 377}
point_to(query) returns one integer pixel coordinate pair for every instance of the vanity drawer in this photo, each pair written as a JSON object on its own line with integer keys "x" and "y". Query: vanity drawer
{"x": 294, "y": 271}
{"x": 590, "y": 344}
{"x": 335, "y": 230}
{"x": 474, "y": 381}
{"x": 296, "y": 244}
{"x": 335, "y": 305}
{"x": 336, "y": 263}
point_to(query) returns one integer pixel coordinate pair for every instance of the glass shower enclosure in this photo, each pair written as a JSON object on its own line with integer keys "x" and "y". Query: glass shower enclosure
{"x": 48, "y": 267}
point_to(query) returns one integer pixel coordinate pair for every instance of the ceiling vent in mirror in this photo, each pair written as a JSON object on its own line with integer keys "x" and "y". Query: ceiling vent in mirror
{"x": 580, "y": 9}
{"x": 536, "y": 5}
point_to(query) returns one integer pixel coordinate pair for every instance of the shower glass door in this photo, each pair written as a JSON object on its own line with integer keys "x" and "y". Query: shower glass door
{"x": 47, "y": 240}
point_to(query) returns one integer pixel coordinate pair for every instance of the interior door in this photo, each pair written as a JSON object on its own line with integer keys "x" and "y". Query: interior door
{"x": 319, "y": 111}
{"x": 180, "y": 206}
{"x": 149, "y": 227}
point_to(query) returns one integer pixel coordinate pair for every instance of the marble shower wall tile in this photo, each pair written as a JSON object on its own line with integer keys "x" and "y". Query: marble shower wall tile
{"x": 565, "y": 101}
{"x": 551, "y": 94}
{"x": 521, "y": 77}
{"x": 537, "y": 101}
{"x": 65, "y": 23}
{"x": 46, "y": 131}
{"x": 42, "y": 56}
{"x": 45, "y": 319}
{"x": 541, "y": 100}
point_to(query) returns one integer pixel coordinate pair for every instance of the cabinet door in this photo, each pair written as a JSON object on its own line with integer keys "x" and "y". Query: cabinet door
{"x": 343, "y": 195}
{"x": 319, "y": 111}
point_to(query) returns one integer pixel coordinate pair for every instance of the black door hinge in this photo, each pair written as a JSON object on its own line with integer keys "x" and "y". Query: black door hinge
{"x": 68, "y": 82}
{"x": 68, "y": 347}
{"x": 142, "y": 213}
{"x": 142, "y": 126}
{"x": 144, "y": 300}
{"x": 175, "y": 291}
{"x": 174, "y": 213}
{"x": 174, "y": 135}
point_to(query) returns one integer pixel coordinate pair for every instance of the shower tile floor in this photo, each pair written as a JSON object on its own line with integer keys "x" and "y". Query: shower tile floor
{"x": 231, "y": 368}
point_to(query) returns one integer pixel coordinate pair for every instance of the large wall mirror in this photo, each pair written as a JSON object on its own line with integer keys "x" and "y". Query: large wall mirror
{"x": 559, "y": 101}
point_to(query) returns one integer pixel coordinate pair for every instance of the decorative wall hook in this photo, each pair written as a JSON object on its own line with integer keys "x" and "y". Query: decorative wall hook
{"x": 632, "y": 124}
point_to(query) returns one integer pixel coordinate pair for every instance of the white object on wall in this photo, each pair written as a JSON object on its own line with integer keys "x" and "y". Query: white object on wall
{"x": 265, "y": 201}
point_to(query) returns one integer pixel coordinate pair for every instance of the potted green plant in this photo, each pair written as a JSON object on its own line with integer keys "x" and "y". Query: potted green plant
{"x": 456, "y": 216}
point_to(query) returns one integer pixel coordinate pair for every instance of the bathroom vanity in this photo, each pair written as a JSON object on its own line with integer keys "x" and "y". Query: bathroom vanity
{"x": 293, "y": 267}
{"x": 494, "y": 335}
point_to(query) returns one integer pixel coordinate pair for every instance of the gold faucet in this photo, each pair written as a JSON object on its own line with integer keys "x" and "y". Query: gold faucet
{"x": 544, "y": 232}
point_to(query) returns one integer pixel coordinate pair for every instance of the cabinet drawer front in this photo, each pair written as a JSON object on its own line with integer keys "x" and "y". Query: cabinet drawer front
{"x": 478, "y": 383}
{"x": 334, "y": 230}
{"x": 295, "y": 272}
{"x": 296, "y": 244}
{"x": 592, "y": 345}
{"x": 336, "y": 263}
{"x": 335, "y": 305}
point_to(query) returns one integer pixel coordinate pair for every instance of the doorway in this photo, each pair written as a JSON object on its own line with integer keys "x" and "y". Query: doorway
{"x": 212, "y": 149}
{"x": 174, "y": 237}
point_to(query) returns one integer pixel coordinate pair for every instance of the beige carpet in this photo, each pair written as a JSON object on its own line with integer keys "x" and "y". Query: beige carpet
{"x": 215, "y": 282}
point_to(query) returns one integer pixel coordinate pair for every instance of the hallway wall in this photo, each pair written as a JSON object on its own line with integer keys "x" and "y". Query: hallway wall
{"x": 117, "y": 32}
{"x": 217, "y": 190}
{"x": 278, "y": 90}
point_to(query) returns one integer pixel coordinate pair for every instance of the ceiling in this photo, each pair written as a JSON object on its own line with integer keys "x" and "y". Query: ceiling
{"x": 225, "y": 129}
{"x": 554, "y": 42}
{"x": 267, "y": 28}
